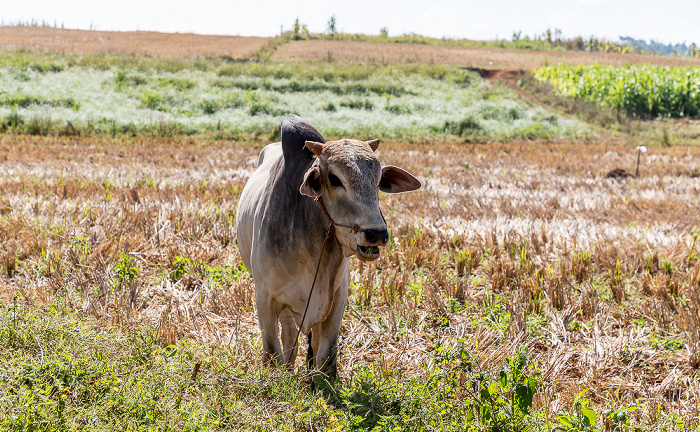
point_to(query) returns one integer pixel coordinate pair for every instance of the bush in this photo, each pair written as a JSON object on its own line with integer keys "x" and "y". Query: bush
{"x": 466, "y": 126}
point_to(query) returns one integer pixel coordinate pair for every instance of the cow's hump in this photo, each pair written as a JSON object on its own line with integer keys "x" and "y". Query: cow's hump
{"x": 295, "y": 133}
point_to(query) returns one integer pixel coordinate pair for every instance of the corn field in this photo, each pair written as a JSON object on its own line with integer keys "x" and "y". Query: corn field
{"x": 643, "y": 91}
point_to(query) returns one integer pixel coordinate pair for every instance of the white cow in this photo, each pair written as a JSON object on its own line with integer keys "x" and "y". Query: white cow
{"x": 281, "y": 229}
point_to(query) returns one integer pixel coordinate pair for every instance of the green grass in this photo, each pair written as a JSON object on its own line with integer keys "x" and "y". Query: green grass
{"x": 412, "y": 38}
{"x": 547, "y": 41}
{"x": 62, "y": 373}
{"x": 125, "y": 94}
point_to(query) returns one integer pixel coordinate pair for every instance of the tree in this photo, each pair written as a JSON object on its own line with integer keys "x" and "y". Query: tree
{"x": 332, "y": 25}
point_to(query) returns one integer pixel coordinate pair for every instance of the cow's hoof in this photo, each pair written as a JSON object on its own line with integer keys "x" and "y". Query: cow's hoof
{"x": 367, "y": 253}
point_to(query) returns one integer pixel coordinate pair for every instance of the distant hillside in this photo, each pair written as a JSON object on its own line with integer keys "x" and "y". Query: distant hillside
{"x": 663, "y": 49}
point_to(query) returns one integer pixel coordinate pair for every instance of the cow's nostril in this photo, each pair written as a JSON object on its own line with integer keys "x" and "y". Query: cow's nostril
{"x": 377, "y": 236}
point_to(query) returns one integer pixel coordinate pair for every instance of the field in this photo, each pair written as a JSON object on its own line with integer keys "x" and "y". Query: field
{"x": 62, "y": 41}
{"x": 514, "y": 247}
{"x": 42, "y": 39}
{"x": 640, "y": 91}
{"x": 522, "y": 289}
{"x": 492, "y": 58}
{"x": 197, "y": 96}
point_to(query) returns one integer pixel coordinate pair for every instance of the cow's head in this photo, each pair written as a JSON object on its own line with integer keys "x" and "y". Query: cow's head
{"x": 348, "y": 176}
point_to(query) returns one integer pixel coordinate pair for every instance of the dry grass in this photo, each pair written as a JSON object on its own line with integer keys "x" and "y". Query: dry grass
{"x": 493, "y": 58}
{"x": 139, "y": 42}
{"x": 508, "y": 246}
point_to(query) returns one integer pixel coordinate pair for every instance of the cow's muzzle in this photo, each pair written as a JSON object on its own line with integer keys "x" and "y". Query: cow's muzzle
{"x": 367, "y": 253}
{"x": 375, "y": 238}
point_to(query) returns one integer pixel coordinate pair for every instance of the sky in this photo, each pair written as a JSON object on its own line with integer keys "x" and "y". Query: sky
{"x": 667, "y": 21}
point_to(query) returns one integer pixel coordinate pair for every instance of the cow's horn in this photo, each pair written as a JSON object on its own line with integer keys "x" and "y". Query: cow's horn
{"x": 373, "y": 144}
{"x": 315, "y": 147}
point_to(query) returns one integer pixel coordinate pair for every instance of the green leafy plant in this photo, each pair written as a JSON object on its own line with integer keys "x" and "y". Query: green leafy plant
{"x": 154, "y": 101}
{"x": 504, "y": 401}
{"x": 617, "y": 420}
{"x": 125, "y": 270}
{"x": 667, "y": 267}
{"x": 180, "y": 266}
{"x": 581, "y": 417}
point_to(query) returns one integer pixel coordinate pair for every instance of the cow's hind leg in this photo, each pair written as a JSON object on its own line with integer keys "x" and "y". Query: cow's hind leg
{"x": 268, "y": 316}
{"x": 289, "y": 337}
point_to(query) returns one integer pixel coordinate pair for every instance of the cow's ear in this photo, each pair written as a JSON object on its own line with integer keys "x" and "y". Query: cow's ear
{"x": 315, "y": 147}
{"x": 311, "y": 186}
{"x": 397, "y": 180}
{"x": 373, "y": 144}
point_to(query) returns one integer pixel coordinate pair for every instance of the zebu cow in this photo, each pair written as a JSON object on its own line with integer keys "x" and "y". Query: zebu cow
{"x": 281, "y": 229}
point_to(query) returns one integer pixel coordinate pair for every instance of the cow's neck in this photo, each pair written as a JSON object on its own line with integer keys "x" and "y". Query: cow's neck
{"x": 294, "y": 223}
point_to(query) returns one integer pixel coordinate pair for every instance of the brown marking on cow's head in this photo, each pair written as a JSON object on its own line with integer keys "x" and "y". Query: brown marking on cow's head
{"x": 349, "y": 176}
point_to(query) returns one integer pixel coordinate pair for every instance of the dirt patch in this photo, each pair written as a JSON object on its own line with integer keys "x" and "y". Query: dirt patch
{"x": 487, "y": 58}
{"x": 494, "y": 74}
{"x": 140, "y": 42}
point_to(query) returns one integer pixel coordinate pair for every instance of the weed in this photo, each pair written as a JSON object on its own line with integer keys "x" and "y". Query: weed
{"x": 465, "y": 127}
{"x": 667, "y": 267}
{"x": 617, "y": 420}
{"x": 177, "y": 83}
{"x": 581, "y": 417}
{"x": 154, "y": 101}
{"x": 357, "y": 104}
{"x": 617, "y": 283}
{"x": 124, "y": 78}
{"x": 125, "y": 271}
{"x": 179, "y": 268}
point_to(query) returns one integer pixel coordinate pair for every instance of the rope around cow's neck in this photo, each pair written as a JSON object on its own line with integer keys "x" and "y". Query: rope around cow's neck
{"x": 355, "y": 228}
{"x": 330, "y": 232}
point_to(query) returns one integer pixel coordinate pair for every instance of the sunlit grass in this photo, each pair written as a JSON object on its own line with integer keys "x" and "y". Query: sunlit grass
{"x": 508, "y": 247}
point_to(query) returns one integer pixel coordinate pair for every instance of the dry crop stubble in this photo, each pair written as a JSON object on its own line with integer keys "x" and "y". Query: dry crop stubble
{"x": 491, "y": 58}
{"x": 507, "y": 245}
{"x": 139, "y": 42}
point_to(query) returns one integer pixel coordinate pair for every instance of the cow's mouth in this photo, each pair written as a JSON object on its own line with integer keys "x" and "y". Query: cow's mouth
{"x": 367, "y": 253}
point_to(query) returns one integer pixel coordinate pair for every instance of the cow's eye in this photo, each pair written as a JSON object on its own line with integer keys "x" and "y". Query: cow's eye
{"x": 335, "y": 181}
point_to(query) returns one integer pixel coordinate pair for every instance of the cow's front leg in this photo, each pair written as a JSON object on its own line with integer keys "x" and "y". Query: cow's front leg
{"x": 267, "y": 317}
{"x": 289, "y": 337}
{"x": 326, "y": 343}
